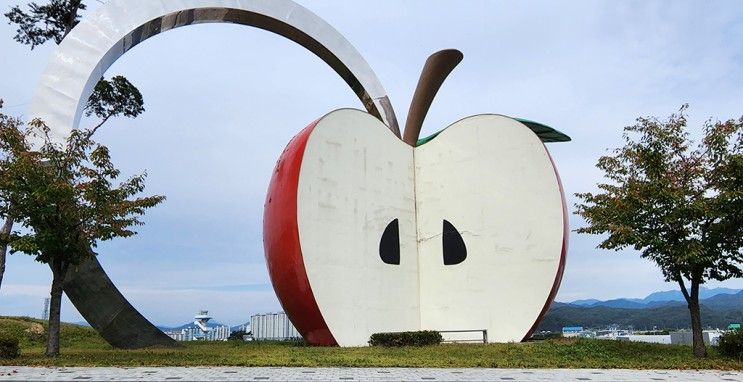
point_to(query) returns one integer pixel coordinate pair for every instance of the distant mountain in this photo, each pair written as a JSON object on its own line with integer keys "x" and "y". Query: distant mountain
{"x": 655, "y": 299}
{"x": 669, "y": 295}
{"x": 717, "y": 312}
{"x": 586, "y": 302}
{"x": 655, "y": 304}
{"x": 675, "y": 295}
{"x": 621, "y": 303}
{"x": 239, "y": 327}
{"x": 724, "y": 301}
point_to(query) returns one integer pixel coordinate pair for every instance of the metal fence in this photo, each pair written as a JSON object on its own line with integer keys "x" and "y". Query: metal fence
{"x": 454, "y": 336}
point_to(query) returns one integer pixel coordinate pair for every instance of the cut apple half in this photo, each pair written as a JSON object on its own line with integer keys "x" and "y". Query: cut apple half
{"x": 364, "y": 233}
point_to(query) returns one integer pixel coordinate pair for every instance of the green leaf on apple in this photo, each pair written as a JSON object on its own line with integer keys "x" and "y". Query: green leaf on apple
{"x": 545, "y": 133}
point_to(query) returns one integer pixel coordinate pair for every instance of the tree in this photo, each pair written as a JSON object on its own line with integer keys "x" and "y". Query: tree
{"x": 42, "y": 23}
{"x": 54, "y": 21}
{"x": 65, "y": 198}
{"x": 679, "y": 205}
{"x": 8, "y": 224}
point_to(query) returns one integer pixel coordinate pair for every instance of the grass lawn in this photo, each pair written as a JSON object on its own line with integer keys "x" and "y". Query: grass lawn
{"x": 82, "y": 346}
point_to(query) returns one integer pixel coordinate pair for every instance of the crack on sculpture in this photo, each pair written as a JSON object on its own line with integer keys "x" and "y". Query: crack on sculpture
{"x": 438, "y": 235}
{"x": 427, "y": 238}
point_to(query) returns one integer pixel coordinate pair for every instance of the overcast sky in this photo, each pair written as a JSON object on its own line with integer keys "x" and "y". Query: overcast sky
{"x": 223, "y": 100}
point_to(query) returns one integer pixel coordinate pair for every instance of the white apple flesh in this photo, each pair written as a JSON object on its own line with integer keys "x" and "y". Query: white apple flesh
{"x": 492, "y": 178}
{"x": 489, "y": 176}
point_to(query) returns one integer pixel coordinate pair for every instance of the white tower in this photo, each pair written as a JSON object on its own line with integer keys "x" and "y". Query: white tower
{"x": 201, "y": 320}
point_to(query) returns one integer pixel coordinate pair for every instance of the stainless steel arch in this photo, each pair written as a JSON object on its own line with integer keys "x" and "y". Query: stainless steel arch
{"x": 108, "y": 33}
{"x": 119, "y": 25}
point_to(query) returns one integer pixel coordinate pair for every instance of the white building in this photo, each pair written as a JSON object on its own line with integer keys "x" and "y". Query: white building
{"x": 684, "y": 337}
{"x": 273, "y": 327}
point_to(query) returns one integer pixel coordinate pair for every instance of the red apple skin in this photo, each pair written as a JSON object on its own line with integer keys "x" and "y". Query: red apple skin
{"x": 282, "y": 247}
{"x": 563, "y": 254}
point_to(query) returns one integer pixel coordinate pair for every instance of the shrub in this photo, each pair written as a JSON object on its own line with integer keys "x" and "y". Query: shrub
{"x": 236, "y": 335}
{"x": 544, "y": 335}
{"x": 8, "y": 347}
{"x": 730, "y": 344}
{"x": 419, "y": 338}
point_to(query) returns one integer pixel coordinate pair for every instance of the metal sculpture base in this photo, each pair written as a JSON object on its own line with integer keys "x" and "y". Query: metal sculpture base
{"x": 108, "y": 311}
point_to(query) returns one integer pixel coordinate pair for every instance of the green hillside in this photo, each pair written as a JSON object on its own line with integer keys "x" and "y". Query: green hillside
{"x": 717, "y": 314}
{"x": 31, "y": 333}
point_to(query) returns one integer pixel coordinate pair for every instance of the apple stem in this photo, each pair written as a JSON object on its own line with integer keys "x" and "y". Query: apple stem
{"x": 436, "y": 69}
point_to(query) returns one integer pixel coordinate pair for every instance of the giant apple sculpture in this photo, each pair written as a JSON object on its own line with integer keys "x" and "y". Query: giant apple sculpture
{"x": 365, "y": 233}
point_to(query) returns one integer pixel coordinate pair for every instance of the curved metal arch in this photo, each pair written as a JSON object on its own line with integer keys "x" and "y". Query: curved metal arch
{"x": 119, "y": 25}
{"x": 112, "y": 30}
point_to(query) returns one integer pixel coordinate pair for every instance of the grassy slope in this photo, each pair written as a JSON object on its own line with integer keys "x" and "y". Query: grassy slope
{"x": 81, "y": 346}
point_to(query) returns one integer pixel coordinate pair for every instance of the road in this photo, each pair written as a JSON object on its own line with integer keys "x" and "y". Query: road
{"x": 10, "y": 373}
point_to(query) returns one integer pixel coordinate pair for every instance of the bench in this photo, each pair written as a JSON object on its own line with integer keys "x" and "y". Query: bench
{"x": 483, "y": 331}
